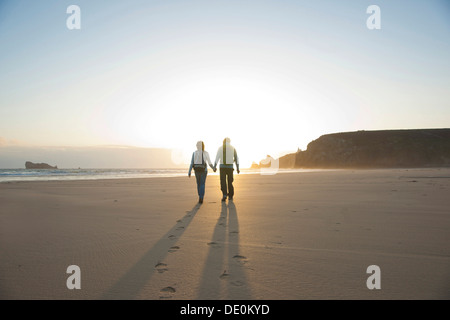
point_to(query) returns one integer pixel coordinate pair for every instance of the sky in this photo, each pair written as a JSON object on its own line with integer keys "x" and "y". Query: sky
{"x": 271, "y": 75}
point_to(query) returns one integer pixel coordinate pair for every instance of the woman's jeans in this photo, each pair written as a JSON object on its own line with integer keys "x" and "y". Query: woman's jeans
{"x": 201, "y": 180}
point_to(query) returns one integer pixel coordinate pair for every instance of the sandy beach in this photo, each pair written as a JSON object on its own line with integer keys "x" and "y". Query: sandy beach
{"x": 308, "y": 235}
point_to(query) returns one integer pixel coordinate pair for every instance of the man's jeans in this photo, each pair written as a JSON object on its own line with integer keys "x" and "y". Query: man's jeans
{"x": 226, "y": 174}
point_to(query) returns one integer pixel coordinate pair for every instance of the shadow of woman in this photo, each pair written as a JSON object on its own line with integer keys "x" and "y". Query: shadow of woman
{"x": 224, "y": 274}
{"x": 132, "y": 282}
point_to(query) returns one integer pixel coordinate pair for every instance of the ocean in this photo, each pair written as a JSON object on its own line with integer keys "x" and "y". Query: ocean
{"x": 11, "y": 175}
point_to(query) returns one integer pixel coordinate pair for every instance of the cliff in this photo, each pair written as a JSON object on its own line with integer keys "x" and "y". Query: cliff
{"x": 31, "y": 165}
{"x": 375, "y": 149}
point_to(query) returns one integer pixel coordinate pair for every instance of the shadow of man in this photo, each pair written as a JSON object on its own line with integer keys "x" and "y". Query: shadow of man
{"x": 224, "y": 274}
{"x": 132, "y": 282}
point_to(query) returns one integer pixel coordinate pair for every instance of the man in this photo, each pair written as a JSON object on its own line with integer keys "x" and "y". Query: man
{"x": 227, "y": 155}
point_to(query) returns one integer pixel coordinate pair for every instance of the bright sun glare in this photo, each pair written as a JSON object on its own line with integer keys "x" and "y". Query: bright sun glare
{"x": 254, "y": 110}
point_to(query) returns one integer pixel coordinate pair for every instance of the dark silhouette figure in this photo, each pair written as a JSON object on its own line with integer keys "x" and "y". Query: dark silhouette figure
{"x": 227, "y": 155}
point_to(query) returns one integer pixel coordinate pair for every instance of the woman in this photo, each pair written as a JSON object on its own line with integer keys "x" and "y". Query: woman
{"x": 199, "y": 161}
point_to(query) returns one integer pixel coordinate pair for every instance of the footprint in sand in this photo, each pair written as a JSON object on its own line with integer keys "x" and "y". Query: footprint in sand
{"x": 213, "y": 244}
{"x": 224, "y": 275}
{"x": 237, "y": 283}
{"x": 174, "y": 249}
{"x": 168, "y": 291}
{"x": 180, "y": 228}
{"x": 161, "y": 267}
{"x": 172, "y": 237}
{"x": 240, "y": 259}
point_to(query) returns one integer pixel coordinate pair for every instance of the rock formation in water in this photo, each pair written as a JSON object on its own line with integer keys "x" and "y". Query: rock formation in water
{"x": 31, "y": 165}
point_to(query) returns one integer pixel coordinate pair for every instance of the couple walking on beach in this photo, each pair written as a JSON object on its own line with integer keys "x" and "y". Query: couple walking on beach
{"x": 227, "y": 155}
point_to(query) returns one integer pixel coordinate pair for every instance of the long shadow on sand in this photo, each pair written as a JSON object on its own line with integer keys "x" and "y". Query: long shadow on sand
{"x": 132, "y": 282}
{"x": 223, "y": 275}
